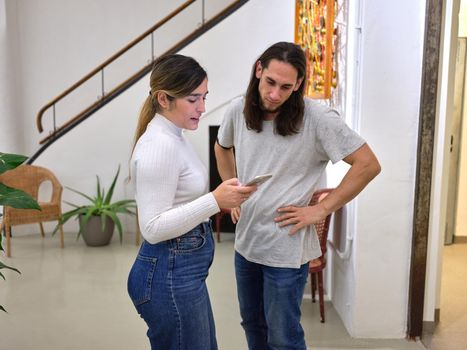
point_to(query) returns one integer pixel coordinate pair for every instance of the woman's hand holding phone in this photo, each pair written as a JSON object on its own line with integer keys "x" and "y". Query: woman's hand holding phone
{"x": 230, "y": 195}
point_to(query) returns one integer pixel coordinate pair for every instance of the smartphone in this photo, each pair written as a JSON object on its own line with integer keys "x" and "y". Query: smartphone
{"x": 258, "y": 180}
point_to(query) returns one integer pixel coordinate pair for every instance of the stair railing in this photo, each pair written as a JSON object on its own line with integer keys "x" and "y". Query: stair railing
{"x": 99, "y": 72}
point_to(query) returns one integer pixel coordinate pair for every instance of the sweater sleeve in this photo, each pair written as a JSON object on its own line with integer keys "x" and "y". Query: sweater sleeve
{"x": 156, "y": 171}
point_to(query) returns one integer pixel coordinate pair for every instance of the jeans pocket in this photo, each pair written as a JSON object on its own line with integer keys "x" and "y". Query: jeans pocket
{"x": 140, "y": 279}
{"x": 190, "y": 242}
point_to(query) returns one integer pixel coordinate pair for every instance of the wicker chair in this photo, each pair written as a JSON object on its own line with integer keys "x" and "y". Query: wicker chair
{"x": 29, "y": 178}
{"x": 317, "y": 265}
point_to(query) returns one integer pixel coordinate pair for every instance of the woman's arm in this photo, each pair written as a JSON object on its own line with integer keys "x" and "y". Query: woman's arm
{"x": 156, "y": 173}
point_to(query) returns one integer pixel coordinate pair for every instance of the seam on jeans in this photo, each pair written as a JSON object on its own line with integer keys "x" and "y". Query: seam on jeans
{"x": 148, "y": 281}
{"x": 174, "y": 304}
{"x": 150, "y": 276}
{"x": 213, "y": 249}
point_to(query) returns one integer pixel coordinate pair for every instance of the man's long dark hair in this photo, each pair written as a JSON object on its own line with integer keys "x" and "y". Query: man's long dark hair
{"x": 290, "y": 117}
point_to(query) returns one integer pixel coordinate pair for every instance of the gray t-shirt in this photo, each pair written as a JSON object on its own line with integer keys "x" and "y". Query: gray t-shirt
{"x": 297, "y": 163}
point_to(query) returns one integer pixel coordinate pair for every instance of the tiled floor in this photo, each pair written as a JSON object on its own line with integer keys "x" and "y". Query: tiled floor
{"x": 76, "y": 298}
{"x": 451, "y": 331}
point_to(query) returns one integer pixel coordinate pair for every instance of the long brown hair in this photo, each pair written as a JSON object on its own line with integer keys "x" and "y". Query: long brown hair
{"x": 176, "y": 76}
{"x": 290, "y": 117}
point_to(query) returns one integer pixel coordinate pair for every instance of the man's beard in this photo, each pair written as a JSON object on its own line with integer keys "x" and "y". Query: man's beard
{"x": 268, "y": 110}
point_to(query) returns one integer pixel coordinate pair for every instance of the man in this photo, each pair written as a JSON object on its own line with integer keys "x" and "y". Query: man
{"x": 274, "y": 129}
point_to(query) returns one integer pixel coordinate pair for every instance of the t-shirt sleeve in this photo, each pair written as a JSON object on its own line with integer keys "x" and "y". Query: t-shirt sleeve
{"x": 225, "y": 135}
{"x": 334, "y": 139}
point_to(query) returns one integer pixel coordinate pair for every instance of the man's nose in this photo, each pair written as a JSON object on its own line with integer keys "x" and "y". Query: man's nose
{"x": 275, "y": 94}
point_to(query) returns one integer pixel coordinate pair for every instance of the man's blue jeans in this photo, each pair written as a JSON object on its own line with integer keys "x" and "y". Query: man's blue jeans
{"x": 270, "y": 299}
{"x": 167, "y": 286}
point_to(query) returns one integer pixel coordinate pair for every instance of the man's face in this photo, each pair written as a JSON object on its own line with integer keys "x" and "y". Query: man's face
{"x": 276, "y": 83}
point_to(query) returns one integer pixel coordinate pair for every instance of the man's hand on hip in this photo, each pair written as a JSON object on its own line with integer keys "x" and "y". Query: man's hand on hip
{"x": 299, "y": 217}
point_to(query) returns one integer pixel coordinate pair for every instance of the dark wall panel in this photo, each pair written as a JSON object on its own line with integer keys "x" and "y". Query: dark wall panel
{"x": 215, "y": 179}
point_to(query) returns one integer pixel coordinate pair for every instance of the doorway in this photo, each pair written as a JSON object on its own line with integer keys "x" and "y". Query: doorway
{"x": 446, "y": 263}
{"x": 432, "y": 179}
{"x": 451, "y": 318}
{"x": 456, "y": 229}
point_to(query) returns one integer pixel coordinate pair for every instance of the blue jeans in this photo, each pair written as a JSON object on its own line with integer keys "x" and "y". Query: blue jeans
{"x": 270, "y": 299}
{"x": 167, "y": 285}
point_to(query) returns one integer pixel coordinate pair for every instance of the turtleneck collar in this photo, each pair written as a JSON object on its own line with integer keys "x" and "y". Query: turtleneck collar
{"x": 162, "y": 122}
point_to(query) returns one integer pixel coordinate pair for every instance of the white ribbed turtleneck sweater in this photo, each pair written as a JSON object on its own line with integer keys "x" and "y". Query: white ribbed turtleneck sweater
{"x": 171, "y": 183}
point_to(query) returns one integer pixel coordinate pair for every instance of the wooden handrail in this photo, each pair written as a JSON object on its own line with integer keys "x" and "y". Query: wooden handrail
{"x": 138, "y": 75}
{"x": 110, "y": 60}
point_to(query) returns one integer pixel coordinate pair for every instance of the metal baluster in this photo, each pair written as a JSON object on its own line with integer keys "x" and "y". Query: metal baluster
{"x": 102, "y": 82}
{"x": 54, "y": 120}
{"x": 152, "y": 46}
{"x": 203, "y": 19}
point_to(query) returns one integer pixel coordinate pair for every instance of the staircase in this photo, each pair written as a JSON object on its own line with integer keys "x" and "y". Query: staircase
{"x": 48, "y": 112}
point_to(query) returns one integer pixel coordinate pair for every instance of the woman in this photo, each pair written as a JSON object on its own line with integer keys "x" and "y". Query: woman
{"x": 167, "y": 281}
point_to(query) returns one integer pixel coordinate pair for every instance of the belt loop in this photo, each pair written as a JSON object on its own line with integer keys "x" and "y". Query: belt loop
{"x": 206, "y": 226}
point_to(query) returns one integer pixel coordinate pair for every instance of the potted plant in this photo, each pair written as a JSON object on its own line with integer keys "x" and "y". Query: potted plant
{"x": 98, "y": 218}
{"x": 13, "y": 197}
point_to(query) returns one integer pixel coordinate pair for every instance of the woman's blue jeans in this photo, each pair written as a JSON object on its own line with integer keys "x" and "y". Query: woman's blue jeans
{"x": 270, "y": 299}
{"x": 167, "y": 286}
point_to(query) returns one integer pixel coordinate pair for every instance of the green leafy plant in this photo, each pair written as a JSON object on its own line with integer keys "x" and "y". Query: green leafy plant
{"x": 99, "y": 205}
{"x": 13, "y": 197}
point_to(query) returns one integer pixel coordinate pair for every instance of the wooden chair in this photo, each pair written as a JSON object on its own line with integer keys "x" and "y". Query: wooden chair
{"x": 217, "y": 222}
{"x": 317, "y": 265}
{"x": 29, "y": 178}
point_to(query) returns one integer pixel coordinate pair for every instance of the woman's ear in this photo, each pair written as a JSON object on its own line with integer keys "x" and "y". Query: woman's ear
{"x": 162, "y": 99}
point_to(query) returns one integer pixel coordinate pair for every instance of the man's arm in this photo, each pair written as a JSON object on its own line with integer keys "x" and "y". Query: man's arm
{"x": 363, "y": 168}
{"x": 225, "y": 162}
{"x": 226, "y": 166}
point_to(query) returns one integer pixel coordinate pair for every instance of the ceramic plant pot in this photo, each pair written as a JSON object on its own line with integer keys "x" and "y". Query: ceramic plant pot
{"x": 93, "y": 234}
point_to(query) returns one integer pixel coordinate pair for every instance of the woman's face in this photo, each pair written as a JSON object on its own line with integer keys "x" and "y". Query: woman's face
{"x": 185, "y": 112}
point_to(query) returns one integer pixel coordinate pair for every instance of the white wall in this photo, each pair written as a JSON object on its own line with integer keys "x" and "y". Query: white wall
{"x": 11, "y": 135}
{"x": 463, "y": 19}
{"x": 390, "y": 93}
{"x": 55, "y": 50}
{"x": 461, "y": 216}
{"x": 61, "y": 41}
